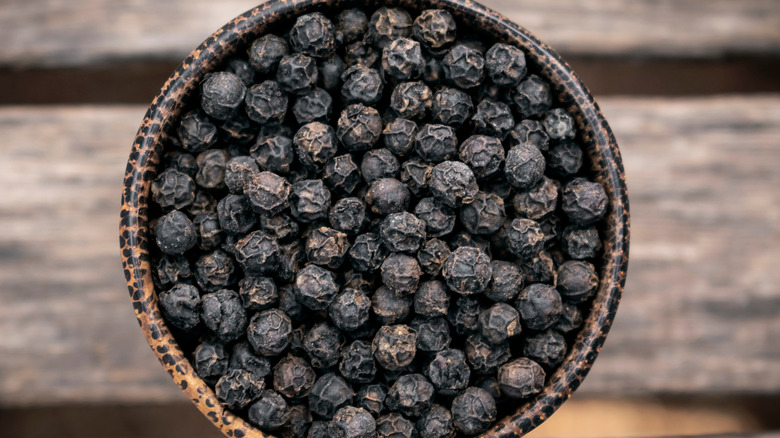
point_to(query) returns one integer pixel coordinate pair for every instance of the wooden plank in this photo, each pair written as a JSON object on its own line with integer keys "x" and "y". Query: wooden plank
{"x": 699, "y": 313}
{"x": 55, "y": 33}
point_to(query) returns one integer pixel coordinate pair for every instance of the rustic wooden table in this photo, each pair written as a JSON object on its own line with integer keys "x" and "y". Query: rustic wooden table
{"x": 690, "y": 88}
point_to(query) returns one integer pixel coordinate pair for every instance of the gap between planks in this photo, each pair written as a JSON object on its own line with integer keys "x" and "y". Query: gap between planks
{"x": 699, "y": 315}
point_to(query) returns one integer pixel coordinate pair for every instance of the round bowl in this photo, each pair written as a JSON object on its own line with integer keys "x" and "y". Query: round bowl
{"x": 182, "y": 88}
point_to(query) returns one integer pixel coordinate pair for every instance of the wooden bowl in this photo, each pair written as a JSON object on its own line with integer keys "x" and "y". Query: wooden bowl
{"x": 180, "y": 92}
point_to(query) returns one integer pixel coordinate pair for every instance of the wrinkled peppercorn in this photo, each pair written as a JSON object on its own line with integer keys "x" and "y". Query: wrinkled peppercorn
{"x": 322, "y": 343}
{"x": 473, "y": 411}
{"x": 559, "y": 125}
{"x": 270, "y": 412}
{"x": 416, "y": 174}
{"x": 281, "y": 226}
{"x": 239, "y": 171}
{"x": 235, "y": 214}
{"x": 402, "y": 59}
{"x": 389, "y": 307}
{"x": 173, "y": 189}
{"x": 290, "y": 259}
{"x": 298, "y": 422}
{"x": 399, "y": 136}
{"x": 315, "y": 106}
{"x": 314, "y": 35}
{"x": 464, "y": 316}
{"x": 315, "y": 287}
{"x": 171, "y": 270}
{"x": 297, "y": 73}
{"x": 341, "y": 174}
{"x": 215, "y": 271}
{"x": 266, "y": 52}
{"x": 432, "y": 255}
{"x": 570, "y": 319}
{"x": 483, "y": 356}
{"x": 453, "y": 183}
{"x": 538, "y": 201}
{"x": 436, "y": 143}
{"x": 439, "y": 219}
{"x": 221, "y": 94}
{"x": 565, "y": 159}
{"x": 463, "y": 66}
{"x": 350, "y": 309}
{"x": 436, "y": 423}
{"x": 362, "y": 54}
{"x": 268, "y": 193}
{"x": 372, "y": 398}
{"x": 411, "y": 394}
{"x": 499, "y": 323}
{"x": 485, "y": 215}
{"x": 258, "y": 293}
{"x": 483, "y": 154}
{"x": 394, "y": 425}
{"x": 539, "y": 306}
{"x": 367, "y": 253}
{"x": 394, "y": 346}
{"x": 266, "y": 102}
{"x": 329, "y": 393}
{"x": 379, "y": 163}
{"x": 521, "y": 378}
{"x": 181, "y": 306}
{"x": 359, "y": 127}
{"x": 361, "y": 85}
{"x": 431, "y": 299}
{"x": 532, "y": 97}
{"x": 401, "y": 273}
{"x": 402, "y": 232}
{"x": 451, "y": 107}
{"x": 269, "y": 332}
{"x": 274, "y": 153}
{"x": 505, "y": 65}
{"x": 238, "y": 388}
{"x": 539, "y": 268}
{"x": 210, "y": 360}
{"x": 357, "y": 363}
{"x": 412, "y": 100}
{"x": 387, "y": 24}
{"x": 352, "y": 422}
{"x": 583, "y": 201}
{"x": 581, "y": 243}
{"x": 327, "y": 247}
{"x": 467, "y": 271}
{"x": 493, "y": 118}
{"x": 175, "y": 233}
{"x": 315, "y": 144}
{"x": 224, "y": 314}
{"x": 530, "y": 133}
{"x": 352, "y": 23}
{"x": 435, "y": 28}
{"x": 196, "y": 132}
{"x": 211, "y": 169}
{"x": 433, "y": 334}
{"x": 309, "y": 200}
{"x": 524, "y": 238}
{"x": 524, "y": 166}
{"x": 577, "y": 281}
{"x": 506, "y": 281}
{"x": 387, "y": 195}
{"x": 547, "y": 348}
{"x": 449, "y": 372}
{"x": 258, "y": 253}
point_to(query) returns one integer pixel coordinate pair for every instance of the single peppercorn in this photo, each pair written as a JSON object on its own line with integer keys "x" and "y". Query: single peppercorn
{"x": 196, "y": 132}
{"x": 172, "y": 270}
{"x": 485, "y": 357}
{"x": 386, "y": 196}
{"x": 274, "y": 153}
{"x": 348, "y": 215}
{"x": 315, "y": 287}
{"x": 239, "y": 171}
{"x": 181, "y": 306}
{"x": 315, "y": 144}
{"x": 361, "y": 85}
{"x": 530, "y": 133}
{"x": 583, "y": 201}
{"x": 329, "y": 393}
{"x": 330, "y": 71}
{"x": 506, "y": 282}
{"x": 224, "y": 314}
{"x": 521, "y": 378}
{"x": 435, "y": 28}
{"x": 394, "y": 425}
{"x": 211, "y": 169}
{"x": 268, "y": 193}
{"x": 411, "y": 395}
{"x": 387, "y": 24}
{"x": 524, "y": 166}
{"x": 367, "y": 252}
{"x": 309, "y": 200}
{"x": 532, "y": 97}
{"x": 432, "y": 255}
{"x": 243, "y": 69}
{"x": 357, "y": 362}
{"x": 465, "y": 239}
{"x": 539, "y": 268}
{"x": 416, "y": 174}
{"x": 221, "y": 94}
{"x": 298, "y": 422}
{"x": 499, "y": 323}
{"x": 401, "y": 273}
{"x": 359, "y": 127}
{"x": 322, "y": 343}
{"x": 436, "y": 143}
{"x": 281, "y": 227}
{"x": 297, "y": 73}
{"x": 266, "y": 102}
{"x": 464, "y": 66}
{"x": 402, "y": 59}
{"x": 581, "y": 243}
{"x": 547, "y": 348}
{"x": 505, "y": 65}
{"x": 318, "y": 429}
{"x": 539, "y": 306}
{"x": 326, "y": 247}
{"x": 412, "y": 100}
{"x": 352, "y": 23}
{"x": 577, "y": 281}
{"x": 485, "y": 215}
{"x": 181, "y": 162}
{"x": 431, "y": 299}
{"x": 314, "y": 35}
{"x": 433, "y": 334}
{"x": 451, "y": 107}
{"x": 483, "y": 154}
{"x": 235, "y": 214}
{"x": 352, "y": 422}
{"x": 372, "y": 398}
{"x": 399, "y": 136}
{"x": 436, "y": 423}
{"x": 524, "y": 238}
{"x": 464, "y": 316}
{"x": 266, "y": 52}
{"x": 270, "y": 412}
{"x": 559, "y": 125}
{"x": 214, "y": 271}
{"x": 258, "y": 253}
{"x": 453, "y": 183}
{"x": 173, "y": 189}
{"x": 350, "y": 309}
{"x": 570, "y": 319}
{"x": 565, "y": 159}
{"x": 341, "y": 174}
{"x": 439, "y": 219}
{"x": 379, "y": 163}
{"x": 394, "y": 346}
{"x": 315, "y": 106}
{"x": 175, "y": 233}
{"x": 361, "y": 53}
{"x": 258, "y": 293}
{"x": 493, "y": 118}
{"x": 237, "y": 389}
{"x": 473, "y": 411}
{"x": 449, "y": 372}
{"x": 539, "y": 201}
{"x": 210, "y": 360}
{"x": 467, "y": 271}
{"x": 402, "y": 232}
{"x": 269, "y": 332}
{"x": 389, "y": 307}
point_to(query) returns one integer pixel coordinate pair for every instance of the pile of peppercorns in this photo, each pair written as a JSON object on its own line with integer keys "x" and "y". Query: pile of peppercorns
{"x": 370, "y": 227}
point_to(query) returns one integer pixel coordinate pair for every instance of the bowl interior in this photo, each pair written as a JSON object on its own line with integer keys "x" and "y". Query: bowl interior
{"x": 181, "y": 92}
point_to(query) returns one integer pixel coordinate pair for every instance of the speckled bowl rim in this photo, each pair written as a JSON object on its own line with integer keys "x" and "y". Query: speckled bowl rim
{"x": 160, "y": 120}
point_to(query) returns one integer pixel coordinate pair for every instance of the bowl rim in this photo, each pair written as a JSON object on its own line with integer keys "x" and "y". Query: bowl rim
{"x": 597, "y": 140}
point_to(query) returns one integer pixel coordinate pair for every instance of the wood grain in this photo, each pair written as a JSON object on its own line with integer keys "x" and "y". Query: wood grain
{"x": 699, "y": 315}
{"x": 51, "y": 33}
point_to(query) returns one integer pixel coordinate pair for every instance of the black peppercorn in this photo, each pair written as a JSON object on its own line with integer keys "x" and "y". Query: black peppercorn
{"x": 196, "y": 132}
{"x": 436, "y": 423}
{"x": 402, "y": 59}
{"x": 431, "y": 299}
{"x": 315, "y": 287}
{"x": 341, "y": 174}
{"x": 215, "y": 271}
{"x": 530, "y": 133}
{"x": 350, "y": 309}
{"x": 238, "y": 388}
{"x": 416, "y": 173}
{"x": 485, "y": 215}
{"x": 224, "y": 314}
{"x": 175, "y": 233}
{"x": 493, "y": 118}
{"x": 394, "y": 425}
{"x": 577, "y": 281}
{"x": 221, "y": 94}
{"x": 268, "y": 193}
{"x": 399, "y": 136}
{"x": 483, "y": 154}
{"x": 565, "y": 159}
{"x": 386, "y": 25}
{"x": 464, "y": 316}
{"x": 439, "y": 219}
{"x": 361, "y": 85}
{"x": 270, "y": 412}
{"x": 281, "y": 226}
{"x": 172, "y": 269}
{"x": 379, "y": 163}
{"x": 297, "y": 73}
{"x": 505, "y": 65}
{"x": 435, "y": 28}
{"x": 436, "y": 143}
{"x": 538, "y": 201}
{"x": 314, "y": 35}
{"x": 583, "y": 201}
{"x": 329, "y": 393}
{"x": 524, "y": 238}
{"x": 298, "y": 423}
{"x": 210, "y": 360}
{"x": 309, "y": 200}
{"x": 173, "y": 189}
{"x": 570, "y": 320}
{"x": 506, "y": 282}
{"x": 243, "y": 69}
{"x": 352, "y": 422}
{"x": 499, "y": 323}
{"x": 318, "y": 429}
{"x": 357, "y": 362}
{"x": 483, "y": 356}
{"x": 532, "y": 97}
{"x": 581, "y": 243}
{"x": 521, "y": 378}
{"x": 327, "y": 247}
{"x": 449, "y": 372}
{"x": 315, "y": 144}
{"x": 181, "y": 306}
{"x": 359, "y": 127}
{"x": 389, "y": 307}
{"x": 266, "y": 52}
{"x": 258, "y": 293}
{"x": 547, "y": 348}
{"x": 322, "y": 343}
{"x": 387, "y": 195}
{"x": 401, "y": 273}
{"x": 269, "y": 332}
{"x": 412, "y": 100}
{"x": 453, "y": 183}
{"x": 258, "y": 253}
{"x": 467, "y": 271}
{"x": 402, "y": 231}
{"x": 274, "y": 153}
{"x": 464, "y": 66}
{"x": 330, "y": 71}
{"x": 348, "y": 215}
{"x": 372, "y": 398}
{"x": 539, "y": 306}
{"x": 239, "y": 171}
{"x": 361, "y": 53}
{"x": 352, "y": 23}
{"x": 559, "y": 125}
{"x": 313, "y": 107}
{"x": 211, "y": 169}
{"x": 266, "y": 103}
{"x": 367, "y": 253}
{"x": 490, "y": 384}
{"x": 394, "y": 346}
{"x": 473, "y": 411}
{"x": 235, "y": 214}
{"x": 524, "y": 166}
{"x": 411, "y": 394}
{"x": 433, "y": 334}
{"x": 451, "y": 107}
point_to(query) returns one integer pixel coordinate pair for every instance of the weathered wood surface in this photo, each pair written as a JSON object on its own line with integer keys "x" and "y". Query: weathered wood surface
{"x": 699, "y": 316}
{"x": 57, "y": 33}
